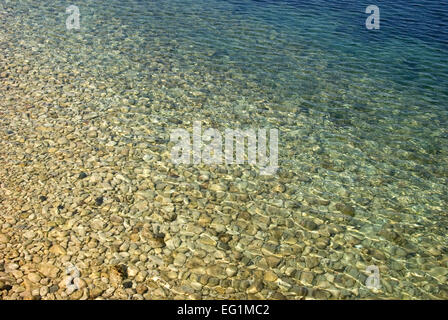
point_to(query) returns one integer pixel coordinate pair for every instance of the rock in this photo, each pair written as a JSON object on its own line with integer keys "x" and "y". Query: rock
{"x": 43, "y": 291}
{"x": 92, "y": 134}
{"x": 141, "y": 288}
{"x": 225, "y": 238}
{"x": 96, "y": 292}
{"x": 322, "y": 242}
{"x": 53, "y": 288}
{"x": 273, "y": 261}
{"x": 132, "y": 271}
{"x": 99, "y": 201}
{"x": 97, "y": 224}
{"x": 31, "y": 296}
{"x": 141, "y": 206}
{"x": 49, "y": 270}
{"x": 116, "y": 220}
{"x": 11, "y": 267}
{"x": 179, "y": 260}
{"x": 284, "y": 283}
{"x": 401, "y": 253}
{"x": 434, "y": 251}
{"x": 322, "y": 202}
{"x": 231, "y": 271}
{"x": 216, "y": 271}
{"x": 82, "y": 175}
{"x": 443, "y": 291}
{"x": 307, "y": 277}
{"x": 345, "y": 209}
{"x": 278, "y": 296}
{"x": 196, "y": 286}
{"x": 438, "y": 272}
{"x": 156, "y": 241}
{"x": 169, "y": 216}
{"x": 321, "y": 294}
{"x": 57, "y": 250}
{"x": 269, "y": 249}
{"x": 207, "y": 241}
{"x": 257, "y": 286}
{"x": 76, "y": 295}
{"x": 308, "y": 224}
{"x": 311, "y": 262}
{"x": 4, "y": 238}
{"x": 62, "y": 140}
{"x": 5, "y": 287}
{"x": 396, "y": 266}
{"x": 279, "y": 188}
{"x": 217, "y": 187}
{"x": 34, "y": 277}
{"x": 223, "y": 246}
{"x": 377, "y": 254}
{"x": 30, "y": 234}
{"x": 168, "y": 208}
{"x": 392, "y": 236}
{"x": 300, "y": 291}
{"x": 270, "y": 276}
{"x": 117, "y": 274}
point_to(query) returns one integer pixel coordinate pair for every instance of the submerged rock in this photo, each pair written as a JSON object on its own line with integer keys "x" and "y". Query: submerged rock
{"x": 345, "y": 209}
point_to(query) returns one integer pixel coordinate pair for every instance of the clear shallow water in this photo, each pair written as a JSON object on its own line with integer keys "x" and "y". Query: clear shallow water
{"x": 362, "y": 114}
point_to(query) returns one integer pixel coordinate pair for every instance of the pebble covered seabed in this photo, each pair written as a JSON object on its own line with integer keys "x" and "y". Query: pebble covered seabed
{"x": 86, "y": 178}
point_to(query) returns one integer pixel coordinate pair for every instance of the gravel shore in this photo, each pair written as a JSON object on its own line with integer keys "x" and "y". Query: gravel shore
{"x": 91, "y": 206}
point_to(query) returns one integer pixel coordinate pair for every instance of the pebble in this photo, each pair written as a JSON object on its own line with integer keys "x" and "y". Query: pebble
{"x": 141, "y": 288}
{"x": 34, "y": 277}
{"x": 4, "y": 238}
{"x": 99, "y": 201}
{"x": 179, "y": 260}
{"x": 309, "y": 224}
{"x": 57, "y": 250}
{"x": 298, "y": 290}
{"x": 216, "y": 271}
{"x": 307, "y": 277}
{"x": 231, "y": 271}
{"x": 345, "y": 209}
{"x": 273, "y": 261}
{"x": 82, "y": 175}
{"x": 438, "y": 272}
{"x": 156, "y": 241}
{"x": 321, "y": 294}
{"x": 257, "y": 286}
{"x": 270, "y": 276}
{"x": 43, "y": 291}
{"x": 97, "y": 224}
{"x": 49, "y": 270}
{"x": 29, "y": 234}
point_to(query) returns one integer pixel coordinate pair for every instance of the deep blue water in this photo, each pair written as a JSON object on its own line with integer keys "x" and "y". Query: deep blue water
{"x": 303, "y": 55}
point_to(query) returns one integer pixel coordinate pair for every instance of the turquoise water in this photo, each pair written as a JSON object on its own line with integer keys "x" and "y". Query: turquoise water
{"x": 362, "y": 116}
